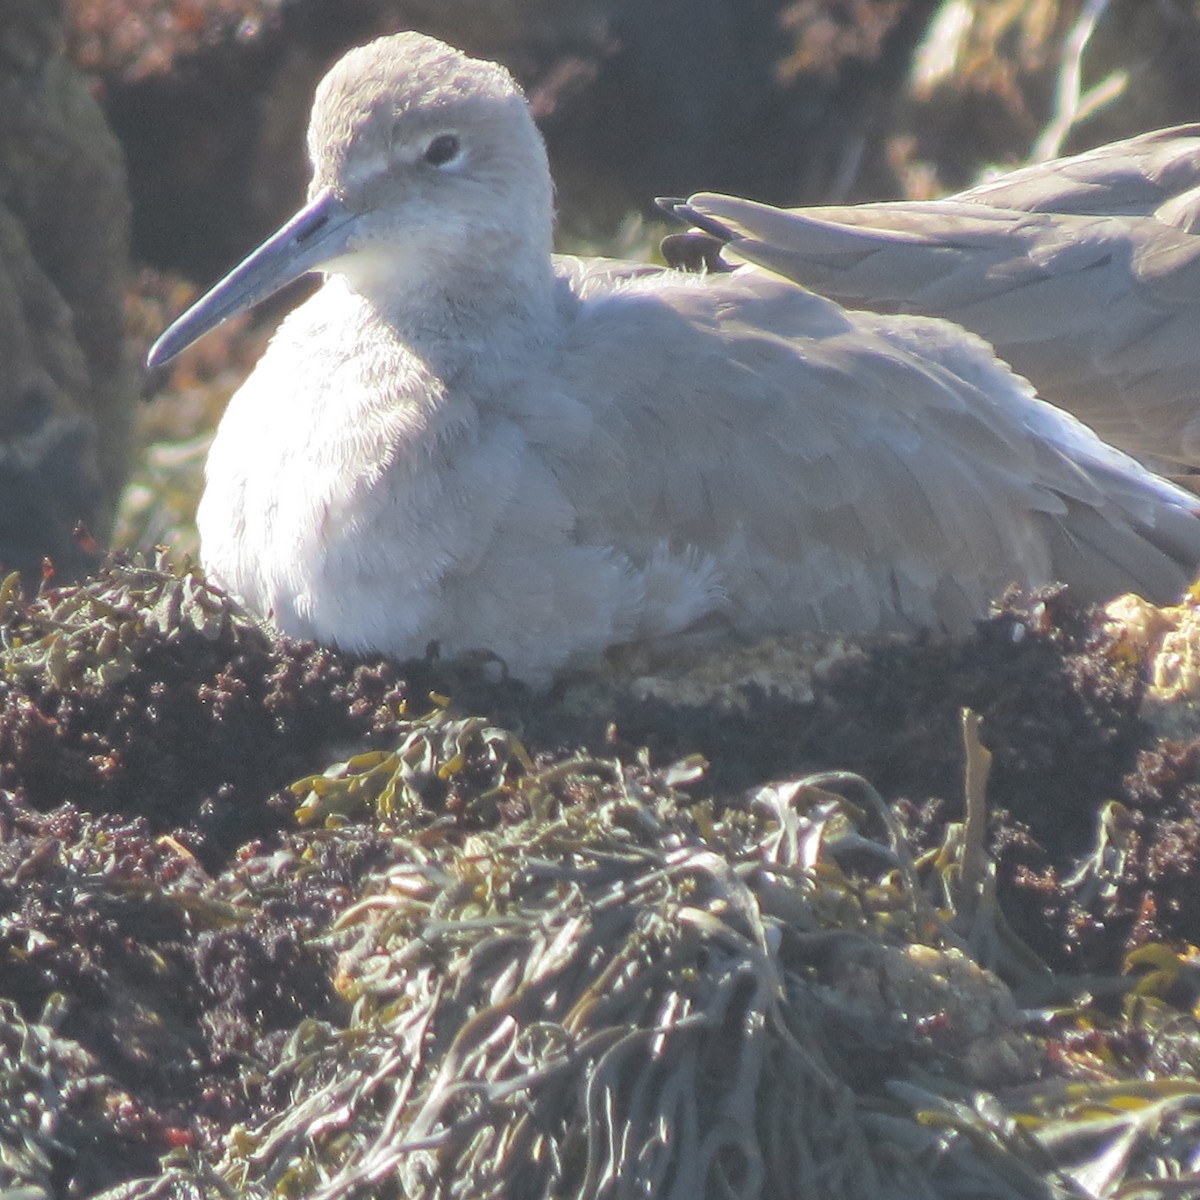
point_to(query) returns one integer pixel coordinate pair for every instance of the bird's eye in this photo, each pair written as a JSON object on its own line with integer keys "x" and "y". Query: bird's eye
{"x": 442, "y": 149}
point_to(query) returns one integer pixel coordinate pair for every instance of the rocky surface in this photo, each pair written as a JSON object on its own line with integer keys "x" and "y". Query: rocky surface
{"x": 67, "y": 390}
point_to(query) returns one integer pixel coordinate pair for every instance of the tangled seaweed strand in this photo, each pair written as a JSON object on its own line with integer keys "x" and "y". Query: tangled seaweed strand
{"x": 87, "y": 637}
{"x": 44, "y": 1082}
{"x": 630, "y": 997}
{"x": 623, "y": 994}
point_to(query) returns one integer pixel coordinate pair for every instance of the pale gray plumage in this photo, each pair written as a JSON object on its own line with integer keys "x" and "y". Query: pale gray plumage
{"x": 462, "y": 440}
{"x": 1083, "y": 273}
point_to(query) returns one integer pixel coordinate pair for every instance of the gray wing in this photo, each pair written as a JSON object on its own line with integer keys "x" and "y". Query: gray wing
{"x": 1130, "y": 178}
{"x": 1084, "y": 274}
{"x": 841, "y": 470}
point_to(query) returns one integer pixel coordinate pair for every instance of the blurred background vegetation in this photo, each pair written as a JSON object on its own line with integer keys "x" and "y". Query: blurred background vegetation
{"x": 789, "y": 101}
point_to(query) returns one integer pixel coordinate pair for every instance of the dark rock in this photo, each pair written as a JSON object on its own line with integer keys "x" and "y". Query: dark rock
{"x": 66, "y": 393}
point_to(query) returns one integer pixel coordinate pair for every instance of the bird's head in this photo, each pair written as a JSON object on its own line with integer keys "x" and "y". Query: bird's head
{"x": 425, "y": 161}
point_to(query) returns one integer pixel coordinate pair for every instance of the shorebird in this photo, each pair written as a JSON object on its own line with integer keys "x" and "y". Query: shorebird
{"x": 463, "y": 440}
{"x": 1083, "y": 273}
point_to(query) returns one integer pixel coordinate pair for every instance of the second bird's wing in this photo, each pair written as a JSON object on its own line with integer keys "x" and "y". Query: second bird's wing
{"x": 1084, "y": 274}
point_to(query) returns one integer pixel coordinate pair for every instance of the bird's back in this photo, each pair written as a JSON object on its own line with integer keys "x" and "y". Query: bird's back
{"x": 845, "y": 470}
